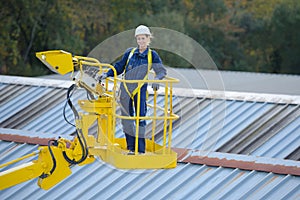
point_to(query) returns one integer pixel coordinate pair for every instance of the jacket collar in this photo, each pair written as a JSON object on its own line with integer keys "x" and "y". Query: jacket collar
{"x": 144, "y": 54}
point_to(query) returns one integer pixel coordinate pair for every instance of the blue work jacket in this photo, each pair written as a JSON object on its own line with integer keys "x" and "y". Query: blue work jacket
{"x": 139, "y": 59}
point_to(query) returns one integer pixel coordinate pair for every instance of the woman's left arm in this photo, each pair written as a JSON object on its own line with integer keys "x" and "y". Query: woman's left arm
{"x": 157, "y": 66}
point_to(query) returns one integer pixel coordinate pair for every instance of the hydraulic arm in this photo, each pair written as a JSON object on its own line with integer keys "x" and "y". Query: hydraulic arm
{"x": 52, "y": 166}
{"x": 99, "y": 110}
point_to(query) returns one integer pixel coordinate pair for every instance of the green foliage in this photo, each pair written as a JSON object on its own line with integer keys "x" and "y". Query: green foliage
{"x": 270, "y": 38}
{"x": 257, "y": 35}
{"x": 285, "y": 28}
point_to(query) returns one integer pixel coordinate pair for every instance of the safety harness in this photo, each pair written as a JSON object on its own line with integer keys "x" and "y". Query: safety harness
{"x": 135, "y": 91}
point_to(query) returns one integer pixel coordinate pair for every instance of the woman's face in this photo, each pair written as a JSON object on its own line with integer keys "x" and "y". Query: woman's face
{"x": 143, "y": 41}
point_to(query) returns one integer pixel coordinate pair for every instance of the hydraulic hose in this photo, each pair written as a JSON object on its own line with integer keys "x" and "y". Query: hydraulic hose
{"x": 79, "y": 133}
{"x": 53, "y": 159}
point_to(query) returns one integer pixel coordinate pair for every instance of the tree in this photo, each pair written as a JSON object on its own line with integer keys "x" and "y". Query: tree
{"x": 285, "y": 28}
{"x": 209, "y": 22}
{"x": 243, "y": 35}
{"x": 29, "y": 26}
{"x": 269, "y": 40}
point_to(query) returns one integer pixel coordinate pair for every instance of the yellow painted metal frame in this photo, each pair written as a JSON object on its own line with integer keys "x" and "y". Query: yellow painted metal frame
{"x": 113, "y": 150}
{"x": 41, "y": 168}
{"x": 58, "y": 61}
{"x": 103, "y": 111}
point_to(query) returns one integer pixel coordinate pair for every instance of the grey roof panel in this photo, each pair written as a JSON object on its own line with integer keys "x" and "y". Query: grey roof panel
{"x": 276, "y": 135}
{"x": 290, "y": 142}
{"x": 187, "y": 181}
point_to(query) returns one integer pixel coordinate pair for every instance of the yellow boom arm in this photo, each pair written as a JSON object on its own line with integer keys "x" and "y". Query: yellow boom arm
{"x": 50, "y": 168}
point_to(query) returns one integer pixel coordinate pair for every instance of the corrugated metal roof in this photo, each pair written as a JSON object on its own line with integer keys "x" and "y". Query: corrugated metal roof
{"x": 268, "y": 128}
{"x": 187, "y": 181}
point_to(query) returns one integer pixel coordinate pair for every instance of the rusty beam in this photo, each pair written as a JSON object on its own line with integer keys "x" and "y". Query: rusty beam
{"x": 23, "y": 136}
{"x": 246, "y": 162}
{"x": 24, "y": 139}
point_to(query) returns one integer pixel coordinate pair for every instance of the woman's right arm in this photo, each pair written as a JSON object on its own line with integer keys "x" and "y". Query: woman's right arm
{"x": 120, "y": 65}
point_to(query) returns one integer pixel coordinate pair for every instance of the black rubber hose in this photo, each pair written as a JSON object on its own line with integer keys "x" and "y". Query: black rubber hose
{"x": 69, "y": 102}
{"x": 53, "y": 160}
{"x": 80, "y": 137}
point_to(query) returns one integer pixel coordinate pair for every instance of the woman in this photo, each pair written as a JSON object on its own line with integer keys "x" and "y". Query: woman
{"x": 135, "y": 64}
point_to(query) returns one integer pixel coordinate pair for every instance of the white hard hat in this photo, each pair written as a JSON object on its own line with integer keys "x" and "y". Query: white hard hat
{"x": 141, "y": 30}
